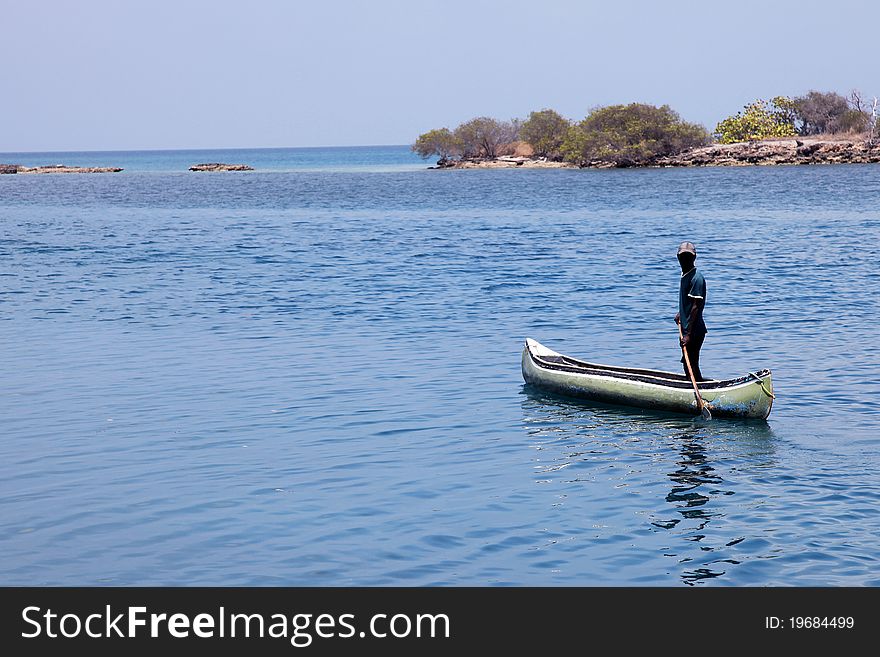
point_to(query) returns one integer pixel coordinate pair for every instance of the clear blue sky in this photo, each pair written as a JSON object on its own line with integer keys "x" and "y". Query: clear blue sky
{"x": 104, "y": 75}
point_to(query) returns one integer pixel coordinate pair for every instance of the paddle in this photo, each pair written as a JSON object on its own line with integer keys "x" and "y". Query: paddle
{"x": 701, "y": 405}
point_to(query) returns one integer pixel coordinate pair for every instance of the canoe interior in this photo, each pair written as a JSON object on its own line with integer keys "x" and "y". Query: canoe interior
{"x": 669, "y": 379}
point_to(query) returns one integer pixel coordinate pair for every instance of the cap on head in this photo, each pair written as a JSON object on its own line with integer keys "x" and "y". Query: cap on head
{"x": 687, "y": 247}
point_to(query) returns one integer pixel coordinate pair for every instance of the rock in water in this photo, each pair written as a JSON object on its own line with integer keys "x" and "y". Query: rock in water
{"x": 55, "y": 168}
{"x": 219, "y": 166}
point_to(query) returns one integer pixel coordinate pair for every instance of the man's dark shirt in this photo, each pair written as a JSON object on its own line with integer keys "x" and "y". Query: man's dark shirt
{"x": 691, "y": 291}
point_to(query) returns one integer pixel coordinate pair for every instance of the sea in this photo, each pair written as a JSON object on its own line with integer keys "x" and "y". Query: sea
{"x": 309, "y": 374}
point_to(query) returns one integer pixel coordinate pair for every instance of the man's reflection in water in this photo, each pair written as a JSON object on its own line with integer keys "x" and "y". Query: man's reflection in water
{"x": 692, "y": 502}
{"x": 694, "y": 470}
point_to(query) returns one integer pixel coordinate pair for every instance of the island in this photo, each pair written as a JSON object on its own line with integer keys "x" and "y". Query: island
{"x": 817, "y": 128}
{"x": 219, "y": 166}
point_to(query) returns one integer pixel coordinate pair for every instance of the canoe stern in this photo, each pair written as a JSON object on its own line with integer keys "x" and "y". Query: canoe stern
{"x": 752, "y": 399}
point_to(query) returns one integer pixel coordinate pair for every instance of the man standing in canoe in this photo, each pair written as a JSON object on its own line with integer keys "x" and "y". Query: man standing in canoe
{"x": 691, "y": 301}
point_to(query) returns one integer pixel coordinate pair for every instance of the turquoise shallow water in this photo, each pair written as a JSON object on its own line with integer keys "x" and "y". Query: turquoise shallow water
{"x": 311, "y": 376}
{"x": 351, "y": 159}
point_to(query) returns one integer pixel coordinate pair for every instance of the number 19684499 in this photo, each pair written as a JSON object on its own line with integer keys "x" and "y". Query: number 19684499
{"x": 819, "y": 622}
{"x": 810, "y": 622}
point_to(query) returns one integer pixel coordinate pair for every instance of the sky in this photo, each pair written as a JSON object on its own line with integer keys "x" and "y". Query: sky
{"x": 111, "y": 75}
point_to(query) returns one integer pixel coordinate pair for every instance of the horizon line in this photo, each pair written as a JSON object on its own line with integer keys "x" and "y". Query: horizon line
{"x": 213, "y": 148}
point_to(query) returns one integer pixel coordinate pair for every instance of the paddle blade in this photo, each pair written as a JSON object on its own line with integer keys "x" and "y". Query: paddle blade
{"x": 705, "y": 413}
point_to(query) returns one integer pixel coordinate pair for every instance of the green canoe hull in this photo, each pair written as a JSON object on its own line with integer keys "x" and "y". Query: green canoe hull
{"x": 750, "y": 396}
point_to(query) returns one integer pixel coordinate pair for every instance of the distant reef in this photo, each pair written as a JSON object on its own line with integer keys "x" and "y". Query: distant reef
{"x": 55, "y": 168}
{"x": 219, "y": 166}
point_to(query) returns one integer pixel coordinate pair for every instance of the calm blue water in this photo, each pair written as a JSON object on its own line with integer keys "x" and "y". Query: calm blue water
{"x": 310, "y": 376}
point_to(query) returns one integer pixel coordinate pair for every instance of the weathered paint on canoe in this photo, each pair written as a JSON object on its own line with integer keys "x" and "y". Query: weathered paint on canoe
{"x": 745, "y": 397}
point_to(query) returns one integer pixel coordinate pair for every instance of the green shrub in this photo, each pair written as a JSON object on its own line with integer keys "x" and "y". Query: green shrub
{"x": 628, "y": 135}
{"x": 759, "y": 120}
{"x": 852, "y": 120}
{"x": 437, "y": 142}
{"x": 545, "y": 132}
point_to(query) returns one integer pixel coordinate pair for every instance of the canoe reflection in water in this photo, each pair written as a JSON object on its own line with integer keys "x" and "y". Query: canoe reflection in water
{"x": 612, "y": 467}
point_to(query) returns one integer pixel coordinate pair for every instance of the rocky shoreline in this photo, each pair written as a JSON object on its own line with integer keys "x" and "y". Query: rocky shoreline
{"x": 802, "y": 150}
{"x": 504, "y": 162}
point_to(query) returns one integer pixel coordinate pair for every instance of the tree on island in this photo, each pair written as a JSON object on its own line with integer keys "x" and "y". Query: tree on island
{"x": 629, "y": 135}
{"x": 545, "y": 132}
{"x": 438, "y": 142}
{"x": 859, "y": 117}
{"x": 820, "y": 113}
{"x": 759, "y": 120}
{"x": 814, "y": 113}
{"x": 484, "y": 136}
{"x": 870, "y": 122}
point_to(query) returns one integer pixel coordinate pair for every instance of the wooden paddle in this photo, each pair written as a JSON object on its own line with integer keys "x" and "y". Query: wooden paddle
{"x": 701, "y": 405}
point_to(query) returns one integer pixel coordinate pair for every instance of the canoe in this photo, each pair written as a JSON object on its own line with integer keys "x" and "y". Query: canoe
{"x": 749, "y": 396}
